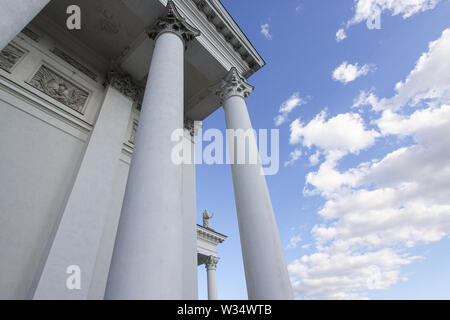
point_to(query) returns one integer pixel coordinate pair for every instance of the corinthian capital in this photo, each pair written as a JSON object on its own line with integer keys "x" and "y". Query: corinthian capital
{"x": 211, "y": 263}
{"x": 192, "y": 126}
{"x": 233, "y": 85}
{"x": 125, "y": 84}
{"x": 175, "y": 23}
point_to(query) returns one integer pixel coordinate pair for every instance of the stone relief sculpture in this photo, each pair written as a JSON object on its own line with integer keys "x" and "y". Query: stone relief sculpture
{"x": 9, "y": 57}
{"x": 207, "y": 219}
{"x": 59, "y": 89}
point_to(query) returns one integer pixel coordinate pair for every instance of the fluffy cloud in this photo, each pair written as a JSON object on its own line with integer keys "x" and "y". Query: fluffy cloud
{"x": 265, "y": 31}
{"x": 430, "y": 79}
{"x": 376, "y": 211}
{"x": 287, "y": 107}
{"x": 294, "y": 241}
{"x": 345, "y": 133}
{"x": 314, "y": 159}
{"x": 367, "y": 9}
{"x": 428, "y": 82}
{"x": 293, "y": 156}
{"x": 348, "y": 72}
{"x": 344, "y": 276}
{"x": 340, "y": 35}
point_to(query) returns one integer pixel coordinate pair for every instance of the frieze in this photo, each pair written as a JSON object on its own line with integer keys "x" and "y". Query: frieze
{"x": 10, "y": 56}
{"x": 60, "y": 89}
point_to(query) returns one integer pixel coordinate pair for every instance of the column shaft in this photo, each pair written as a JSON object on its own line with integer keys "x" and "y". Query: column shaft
{"x": 264, "y": 261}
{"x": 15, "y": 15}
{"x": 212, "y": 285}
{"x": 146, "y": 263}
{"x": 190, "y": 268}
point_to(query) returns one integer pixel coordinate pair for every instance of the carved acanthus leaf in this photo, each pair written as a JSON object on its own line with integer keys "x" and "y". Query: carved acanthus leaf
{"x": 211, "y": 263}
{"x": 232, "y": 85}
{"x": 173, "y": 22}
{"x": 192, "y": 126}
{"x": 125, "y": 84}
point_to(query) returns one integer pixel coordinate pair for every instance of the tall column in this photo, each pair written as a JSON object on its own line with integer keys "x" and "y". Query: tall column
{"x": 211, "y": 265}
{"x": 190, "y": 267}
{"x": 15, "y": 15}
{"x": 77, "y": 239}
{"x": 264, "y": 261}
{"x": 146, "y": 262}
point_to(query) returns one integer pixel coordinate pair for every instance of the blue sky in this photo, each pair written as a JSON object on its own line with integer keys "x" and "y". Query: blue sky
{"x": 369, "y": 217}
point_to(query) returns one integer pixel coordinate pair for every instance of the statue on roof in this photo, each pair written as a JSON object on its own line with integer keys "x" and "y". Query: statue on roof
{"x": 206, "y": 219}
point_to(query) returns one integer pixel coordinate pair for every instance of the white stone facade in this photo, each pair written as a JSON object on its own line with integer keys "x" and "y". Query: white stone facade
{"x": 85, "y": 150}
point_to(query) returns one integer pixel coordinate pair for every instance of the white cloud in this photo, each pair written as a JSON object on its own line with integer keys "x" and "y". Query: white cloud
{"x": 392, "y": 123}
{"x": 294, "y": 241}
{"x": 348, "y": 72}
{"x": 293, "y": 156}
{"x": 430, "y": 79}
{"x": 328, "y": 181}
{"x": 287, "y": 107}
{"x": 343, "y": 276}
{"x": 340, "y": 35}
{"x": 265, "y": 31}
{"x": 428, "y": 82}
{"x": 314, "y": 159}
{"x": 367, "y": 98}
{"x": 345, "y": 133}
{"x": 379, "y": 209}
{"x": 368, "y": 9}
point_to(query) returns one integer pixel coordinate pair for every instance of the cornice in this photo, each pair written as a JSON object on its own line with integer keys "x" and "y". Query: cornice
{"x": 221, "y": 36}
{"x": 210, "y": 235}
{"x": 225, "y": 24}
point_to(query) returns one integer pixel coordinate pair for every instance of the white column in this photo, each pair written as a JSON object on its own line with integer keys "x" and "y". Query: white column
{"x": 78, "y": 236}
{"x": 211, "y": 265}
{"x": 190, "y": 267}
{"x": 147, "y": 258}
{"x": 16, "y": 15}
{"x": 264, "y": 262}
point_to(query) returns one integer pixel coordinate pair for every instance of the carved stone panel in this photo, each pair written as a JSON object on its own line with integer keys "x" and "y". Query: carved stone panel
{"x": 60, "y": 89}
{"x": 10, "y": 56}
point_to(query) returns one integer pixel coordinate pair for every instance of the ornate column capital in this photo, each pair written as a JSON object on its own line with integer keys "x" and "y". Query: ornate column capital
{"x": 175, "y": 23}
{"x": 125, "y": 84}
{"x": 211, "y": 263}
{"x": 192, "y": 126}
{"x": 232, "y": 85}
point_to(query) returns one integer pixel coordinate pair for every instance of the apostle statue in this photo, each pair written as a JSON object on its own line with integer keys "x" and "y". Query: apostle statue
{"x": 206, "y": 219}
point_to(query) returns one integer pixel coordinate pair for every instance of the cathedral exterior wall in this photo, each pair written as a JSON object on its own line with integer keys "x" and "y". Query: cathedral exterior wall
{"x": 48, "y": 108}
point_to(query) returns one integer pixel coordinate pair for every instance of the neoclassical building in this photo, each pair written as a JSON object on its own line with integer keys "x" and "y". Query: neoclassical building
{"x": 86, "y": 119}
